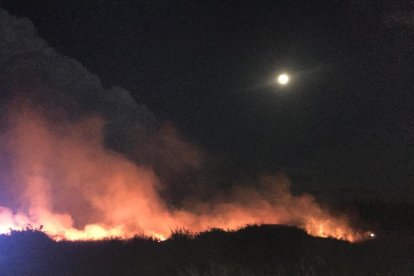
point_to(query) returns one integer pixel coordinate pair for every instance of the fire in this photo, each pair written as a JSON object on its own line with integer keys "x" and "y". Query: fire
{"x": 62, "y": 177}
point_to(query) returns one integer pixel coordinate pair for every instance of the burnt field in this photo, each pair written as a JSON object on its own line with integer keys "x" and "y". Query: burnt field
{"x": 253, "y": 250}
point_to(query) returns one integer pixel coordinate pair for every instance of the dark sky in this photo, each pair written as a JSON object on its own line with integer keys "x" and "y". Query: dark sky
{"x": 345, "y": 125}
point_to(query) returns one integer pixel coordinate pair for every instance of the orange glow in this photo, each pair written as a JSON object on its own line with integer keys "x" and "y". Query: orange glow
{"x": 63, "y": 178}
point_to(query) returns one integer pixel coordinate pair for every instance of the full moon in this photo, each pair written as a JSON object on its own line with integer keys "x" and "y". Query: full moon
{"x": 283, "y": 79}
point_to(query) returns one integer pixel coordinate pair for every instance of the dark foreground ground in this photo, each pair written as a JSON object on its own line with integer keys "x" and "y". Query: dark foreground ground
{"x": 254, "y": 250}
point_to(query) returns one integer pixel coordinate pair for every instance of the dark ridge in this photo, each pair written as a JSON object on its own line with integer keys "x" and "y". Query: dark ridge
{"x": 253, "y": 250}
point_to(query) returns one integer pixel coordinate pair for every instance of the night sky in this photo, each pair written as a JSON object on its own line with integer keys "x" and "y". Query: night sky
{"x": 343, "y": 128}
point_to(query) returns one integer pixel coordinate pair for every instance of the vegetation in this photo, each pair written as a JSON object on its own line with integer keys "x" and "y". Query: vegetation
{"x": 254, "y": 250}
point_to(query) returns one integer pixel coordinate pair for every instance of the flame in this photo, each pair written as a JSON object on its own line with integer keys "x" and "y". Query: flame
{"x": 61, "y": 176}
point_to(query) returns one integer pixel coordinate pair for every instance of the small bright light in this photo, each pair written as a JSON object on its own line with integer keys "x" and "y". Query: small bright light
{"x": 283, "y": 79}
{"x": 372, "y": 235}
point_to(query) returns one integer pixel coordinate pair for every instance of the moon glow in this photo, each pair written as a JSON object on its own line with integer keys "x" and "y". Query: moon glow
{"x": 283, "y": 79}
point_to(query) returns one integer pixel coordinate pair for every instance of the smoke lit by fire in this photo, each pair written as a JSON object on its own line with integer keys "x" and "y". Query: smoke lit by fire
{"x": 61, "y": 176}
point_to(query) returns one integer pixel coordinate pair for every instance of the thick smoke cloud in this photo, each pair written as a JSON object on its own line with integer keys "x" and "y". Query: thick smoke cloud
{"x": 26, "y": 61}
{"x": 67, "y": 91}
